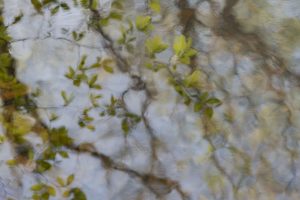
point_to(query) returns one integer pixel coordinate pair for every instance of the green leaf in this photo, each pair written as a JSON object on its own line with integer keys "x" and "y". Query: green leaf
{"x": 214, "y": 101}
{"x": 60, "y": 181}
{"x": 155, "y": 45}
{"x": 45, "y": 196}
{"x": 78, "y": 194}
{"x": 51, "y": 190}
{"x": 11, "y": 163}
{"x": 67, "y": 99}
{"x": 115, "y": 15}
{"x": 179, "y": 45}
{"x": 64, "y": 154}
{"x": 93, "y": 80}
{"x": 183, "y": 50}
{"x": 84, "y": 3}
{"x": 198, "y": 106}
{"x": 125, "y": 126}
{"x": 142, "y": 22}
{"x": 94, "y": 5}
{"x": 204, "y": 96}
{"x": 70, "y": 179}
{"x": 108, "y": 69}
{"x": 2, "y": 139}
{"x": 59, "y": 137}
{"x": 5, "y": 60}
{"x": 37, "y": 187}
{"x": 18, "y": 18}
{"x": 37, "y": 5}
{"x": 70, "y": 74}
{"x": 155, "y": 5}
{"x": 64, "y": 6}
{"x": 209, "y": 112}
{"x": 191, "y": 52}
{"x": 193, "y": 80}
{"x": 66, "y": 194}
{"x": 42, "y": 166}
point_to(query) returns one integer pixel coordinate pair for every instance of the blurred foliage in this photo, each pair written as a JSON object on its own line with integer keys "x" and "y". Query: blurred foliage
{"x": 20, "y": 116}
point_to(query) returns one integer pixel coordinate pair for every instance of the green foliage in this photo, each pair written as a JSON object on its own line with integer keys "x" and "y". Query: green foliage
{"x": 78, "y": 194}
{"x": 37, "y": 5}
{"x": 155, "y": 5}
{"x": 42, "y": 191}
{"x": 85, "y": 120}
{"x": 193, "y": 80}
{"x": 155, "y": 45}
{"x": 183, "y": 50}
{"x": 42, "y": 166}
{"x": 58, "y": 137}
{"x": 67, "y": 99}
{"x": 84, "y": 3}
{"x": 129, "y": 121}
{"x": 18, "y": 18}
{"x": 78, "y": 36}
{"x": 143, "y": 23}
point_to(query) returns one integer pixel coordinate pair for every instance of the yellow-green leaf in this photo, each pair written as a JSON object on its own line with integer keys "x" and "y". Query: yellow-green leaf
{"x": 125, "y": 127}
{"x": 155, "y": 45}
{"x": 155, "y": 5}
{"x": 198, "y": 106}
{"x": 70, "y": 179}
{"x": 37, "y": 5}
{"x": 213, "y": 101}
{"x": 51, "y": 191}
{"x": 142, "y": 22}
{"x": 180, "y": 45}
{"x": 37, "y": 187}
{"x": 60, "y": 181}
{"x": 11, "y": 163}
{"x": 108, "y": 69}
{"x": 208, "y": 112}
{"x": 193, "y": 80}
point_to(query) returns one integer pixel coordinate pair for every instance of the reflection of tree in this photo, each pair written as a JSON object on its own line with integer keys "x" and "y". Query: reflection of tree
{"x": 230, "y": 171}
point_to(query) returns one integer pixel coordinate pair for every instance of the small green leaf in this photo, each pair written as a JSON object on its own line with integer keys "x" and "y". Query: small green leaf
{"x": 155, "y": 45}
{"x": 84, "y": 3}
{"x": 70, "y": 179}
{"x": 60, "y": 181}
{"x": 11, "y": 163}
{"x": 42, "y": 166}
{"x": 204, "y": 97}
{"x": 51, "y": 190}
{"x": 143, "y": 23}
{"x": 67, "y": 100}
{"x": 64, "y": 6}
{"x": 66, "y": 194}
{"x": 94, "y": 5}
{"x": 155, "y": 5}
{"x": 64, "y": 154}
{"x": 2, "y": 139}
{"x": 193, "y": 80}
{"x": 115, "y": 15}
{"x": 18, "y": 18}
{"x": 198, "y": 106}
{"x": 93, "y": 80}
{"x": 45, "y": 196}
{"x": 179, "y": 45}
{"x": 37, "y": 5}
{"x": 77, "y": 194}
{"x": 125, "y": 126}
{"x": 209, "y": 112}
{"x": 214, "y": 101}
{"x": 53, "y": 117}
{"x": 37, "y": 187}
{"x": 108, "y": 69}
